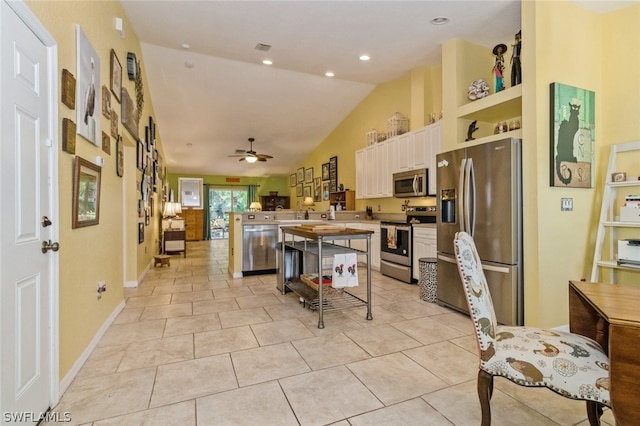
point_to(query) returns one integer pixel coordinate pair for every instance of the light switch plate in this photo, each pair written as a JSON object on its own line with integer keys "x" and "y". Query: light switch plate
{"x": 566, "y": 204}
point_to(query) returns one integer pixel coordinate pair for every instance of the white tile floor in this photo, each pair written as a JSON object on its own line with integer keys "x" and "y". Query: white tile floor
{"x": 195, "y": 347}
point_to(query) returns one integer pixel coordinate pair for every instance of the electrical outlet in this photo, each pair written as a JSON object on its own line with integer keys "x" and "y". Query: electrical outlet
{"x": 566, "y": 204}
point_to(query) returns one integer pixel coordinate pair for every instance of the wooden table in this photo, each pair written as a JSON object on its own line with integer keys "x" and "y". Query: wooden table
{"x": 610, "y": 314}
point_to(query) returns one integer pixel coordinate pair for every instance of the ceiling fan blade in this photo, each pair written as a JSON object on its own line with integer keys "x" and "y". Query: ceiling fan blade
{"x": 262, "y": 159}
{"x": 264, "y": 156}
{"x": 242, "y": 159}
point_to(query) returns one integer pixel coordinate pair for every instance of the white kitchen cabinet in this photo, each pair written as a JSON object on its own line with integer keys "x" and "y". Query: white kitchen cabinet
{"x": 424, "y": 245}
{"x": 405, "y": 152}
{"x": 371, "y": 155}
{"x": 375, "y": 244}
{"x": 420, "y": 149}
{"x": 361, "y": 173}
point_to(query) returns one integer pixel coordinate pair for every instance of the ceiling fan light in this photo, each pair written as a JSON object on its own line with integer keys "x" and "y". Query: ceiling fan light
{"x": 251, "y": 158}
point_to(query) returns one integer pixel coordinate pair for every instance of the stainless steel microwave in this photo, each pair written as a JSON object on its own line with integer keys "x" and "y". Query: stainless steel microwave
{"x": 413, "y": 183}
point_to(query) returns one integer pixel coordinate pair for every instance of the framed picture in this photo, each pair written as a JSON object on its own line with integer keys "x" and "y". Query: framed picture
{"x": 86, "y": 193}
{"x": 115, "y": 76}
{"x": 317, "y": 189}
{"x": 147, "y": 216}
{"x": 325, "y": 171}
{"x": 306, "y": 191}
{"x": 300, "y": 175}
{"x": 114, "y": 123}
{"x": 572, "y": 135}
{"x": 325, "y": 191}
{"x": 618, "y": 177}
{"x": 140, "y": 232}
{"x": 333, "y": 174}
{"x": 128, "y": 113}
{"x": 88, "y": 94}
{"x": 68, "y": 136}
{"x": 308, "y": 175}
{"x": 106, "y": 102}
{"x": 140, "y": 155}
{"x": 68, "y": 89}
{"x": 292, "y": 180}
{"x": 152, "y": 132}
{"x": 119, "y": 157}
{"x": 106, "y": 143}
{"x": 299, "y": 190}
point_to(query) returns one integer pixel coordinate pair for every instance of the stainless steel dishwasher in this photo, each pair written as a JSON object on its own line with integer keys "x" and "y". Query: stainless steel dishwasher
{"x": 259, "y": 249}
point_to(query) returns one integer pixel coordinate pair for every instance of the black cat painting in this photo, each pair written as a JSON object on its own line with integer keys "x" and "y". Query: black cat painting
{"x": 564, "y": 148}
{"x": 572, "y": 133}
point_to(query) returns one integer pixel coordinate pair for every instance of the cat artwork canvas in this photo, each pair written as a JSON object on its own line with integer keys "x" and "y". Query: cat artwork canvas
{"x": 572, "y": 136}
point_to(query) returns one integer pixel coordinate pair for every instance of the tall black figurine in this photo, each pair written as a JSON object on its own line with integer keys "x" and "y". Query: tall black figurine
{"x": 516, "y": 70}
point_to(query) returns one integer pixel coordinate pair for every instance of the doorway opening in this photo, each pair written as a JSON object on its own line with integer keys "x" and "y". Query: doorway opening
{"x": 221, "y": 202}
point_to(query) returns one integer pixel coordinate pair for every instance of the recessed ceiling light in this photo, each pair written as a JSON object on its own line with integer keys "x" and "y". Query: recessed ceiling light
{"x": 189, "y": 64}
{"x": 329, "y": 74}
{"x": 364, "y": 57}
{"x": 186, "y": 46}
{"x": 267, "y": 62}
{"x": 440, "y": 20}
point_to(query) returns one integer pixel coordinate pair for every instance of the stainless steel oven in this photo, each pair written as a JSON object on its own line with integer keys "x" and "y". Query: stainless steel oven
{"x": 395, "y": 250}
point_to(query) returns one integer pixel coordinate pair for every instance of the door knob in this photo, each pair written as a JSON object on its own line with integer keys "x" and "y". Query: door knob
{"x": 48, "y": 245}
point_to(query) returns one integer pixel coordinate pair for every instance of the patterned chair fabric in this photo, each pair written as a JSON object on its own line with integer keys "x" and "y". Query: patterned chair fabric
{"x": 574, "y": 366}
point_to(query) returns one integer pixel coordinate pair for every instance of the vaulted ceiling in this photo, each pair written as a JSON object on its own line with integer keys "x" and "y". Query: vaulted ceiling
{"x": 211, "y": 91}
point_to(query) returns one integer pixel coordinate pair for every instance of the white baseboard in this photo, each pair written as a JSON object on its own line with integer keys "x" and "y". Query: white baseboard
{"x": 68, "y": 378}
{"x": 130, "y": 284}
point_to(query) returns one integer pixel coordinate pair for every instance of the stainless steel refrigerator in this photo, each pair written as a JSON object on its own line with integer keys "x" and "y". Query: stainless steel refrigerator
{"x": 480, "y": 192}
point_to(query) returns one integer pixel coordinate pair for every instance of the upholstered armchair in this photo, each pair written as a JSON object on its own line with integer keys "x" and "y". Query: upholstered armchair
{"x": 571, "y": 365}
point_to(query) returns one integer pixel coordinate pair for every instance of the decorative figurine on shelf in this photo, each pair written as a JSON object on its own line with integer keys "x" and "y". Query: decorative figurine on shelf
{"x": 478, "y": 89}
{"x": 516, "y": 70}
{"x": 472, "y": 128}
{"x": 498, "y": 66}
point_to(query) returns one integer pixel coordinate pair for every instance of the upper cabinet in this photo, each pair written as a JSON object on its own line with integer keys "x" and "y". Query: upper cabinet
{"x": 376, "y": 164}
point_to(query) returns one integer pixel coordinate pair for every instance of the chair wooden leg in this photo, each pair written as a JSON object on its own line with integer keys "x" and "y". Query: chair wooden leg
{"x": 594, "y": 412}
{"x": 485, "y": 392}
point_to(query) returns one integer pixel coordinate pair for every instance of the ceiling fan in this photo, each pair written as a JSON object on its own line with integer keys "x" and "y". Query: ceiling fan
{"x": 250, "y": 156}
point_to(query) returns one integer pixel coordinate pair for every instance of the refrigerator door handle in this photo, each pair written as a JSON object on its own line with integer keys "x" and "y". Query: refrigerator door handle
{"x": 471, "y": 194}
{"x": 466, "y": 191}
{"x": 460, "y": 196}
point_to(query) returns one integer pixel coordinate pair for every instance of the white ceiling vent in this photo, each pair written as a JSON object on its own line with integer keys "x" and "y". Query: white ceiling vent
{"x": 263, "y": 47}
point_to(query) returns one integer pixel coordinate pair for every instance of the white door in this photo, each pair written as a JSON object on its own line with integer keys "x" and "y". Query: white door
{"x": 28, "y": 277}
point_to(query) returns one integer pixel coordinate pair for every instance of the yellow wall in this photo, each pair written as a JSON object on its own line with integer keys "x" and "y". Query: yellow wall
{"x": 574, "y": 46}
{"x": 95, "y": 253}
{"x": 415, "y": 95}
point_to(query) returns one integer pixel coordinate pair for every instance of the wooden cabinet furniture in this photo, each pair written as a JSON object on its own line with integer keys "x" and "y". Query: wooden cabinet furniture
{"x": 194, "y": 224}
{"x": 174, "y": 241}
{"x": 322, "y": 244}
{"x": 346, "y": 199}
{"x": 271, "y": 202}
{"x": 608, "y": 313}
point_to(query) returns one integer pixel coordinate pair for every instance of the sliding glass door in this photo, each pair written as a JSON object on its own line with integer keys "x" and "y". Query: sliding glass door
{"x": 222, "y": 201}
